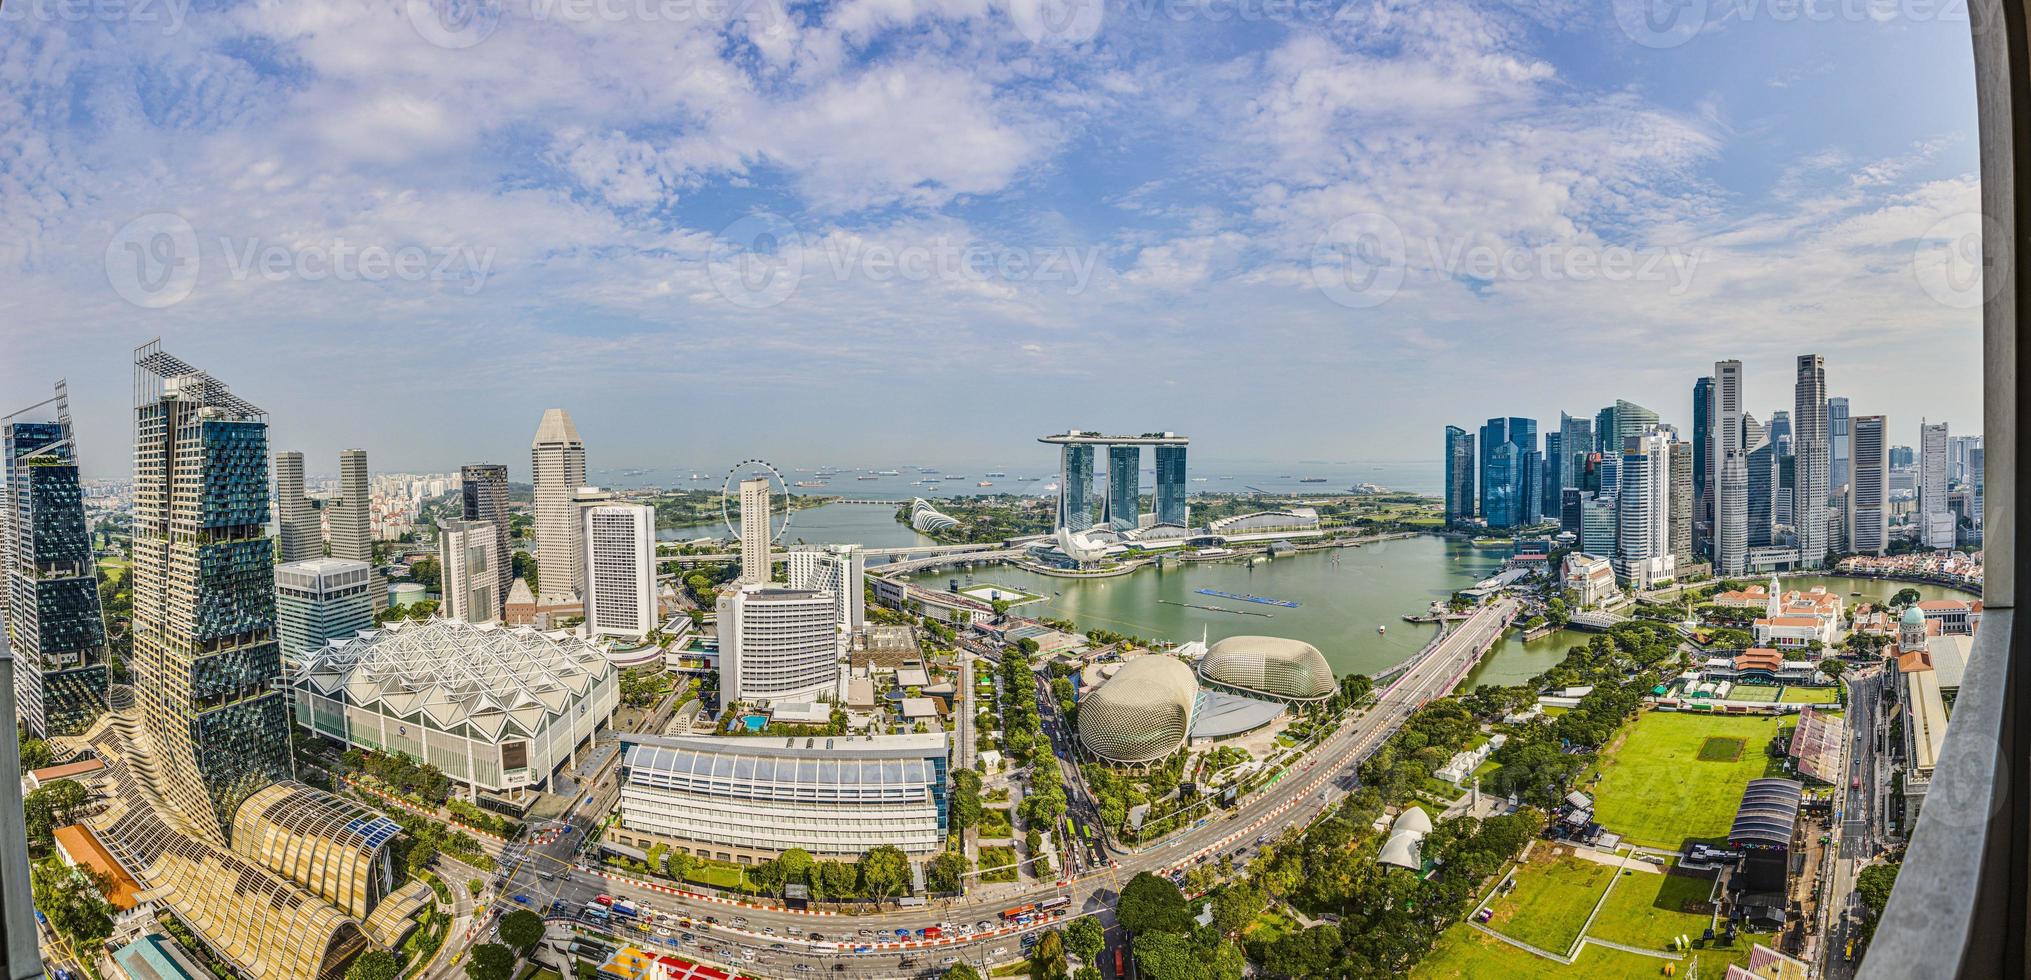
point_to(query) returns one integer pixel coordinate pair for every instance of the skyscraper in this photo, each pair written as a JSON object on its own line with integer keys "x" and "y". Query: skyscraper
{"x": 1977, "y": 479}
{"x": 469, "y": 561}
{"x": 1631, "y": 419}
{"x": 777, "y": 644}
{"x": 1682, "y": 496}
{"x": 755, "y": 539}
{"x": 483, "y": 496}
{"x": 352, "y": 533}
{"x": 1779, "y": 431}
{"x": 1554, "y": 473}
{"x": 1869, "y": 485}
{"x": 1460, "y": 460}
{"x": 1703, "y": 458}
{"x": 1533, "y": 488}
{"x": 1123, "y": 503}
{"x": 1839, "y": 453}
{"x": 319, "y": 600}
{"x": 297, "y": 533}
{"x": 1576, "y": 440}
{"x": 1171, "y": 486}
{"x": 1597, "y": 526}
{"x": 620, "y": 569}
{"x": 839, "y": 569}
{"x": 19, "y": 938}
{"x": 1508, "y": 446}
{"x": 49, "y": 586}
{"x": 557, "y": 460}
{"x": 1811, "y": 444}
{"x": 1761, "y": 456}
{"x": 1935, "y": 518}
{"x": 1643, "y": 512}
{"x": 205, "y": 650}
{"x": 1075, "y": 502}
{"x": 1731, "y": 516}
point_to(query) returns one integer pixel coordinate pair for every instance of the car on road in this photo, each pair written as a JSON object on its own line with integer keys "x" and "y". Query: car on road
{"x": 521, "y": 898}
{"x": 817, "y": 937}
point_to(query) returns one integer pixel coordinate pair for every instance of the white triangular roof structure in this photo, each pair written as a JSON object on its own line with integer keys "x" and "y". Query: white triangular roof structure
{"x": 455, "y": 673}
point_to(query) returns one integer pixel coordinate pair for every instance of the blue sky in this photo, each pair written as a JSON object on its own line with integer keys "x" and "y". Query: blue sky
{"x": 934, "y": 229}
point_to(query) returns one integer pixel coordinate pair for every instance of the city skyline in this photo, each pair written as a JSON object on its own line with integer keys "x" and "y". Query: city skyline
{"x": 583, "y": 243}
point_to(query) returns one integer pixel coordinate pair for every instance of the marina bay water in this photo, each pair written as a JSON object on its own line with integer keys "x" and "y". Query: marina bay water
{"x": 1343, "y": 594}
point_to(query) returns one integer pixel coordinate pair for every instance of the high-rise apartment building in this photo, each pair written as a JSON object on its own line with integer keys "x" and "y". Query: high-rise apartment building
{"x": 620, "y": 569}
{"x": 1869, "y": 485}
{"x": 1936, "y": 524}
{"x": 755, "y": 560}
{"x": 1811, "y": 444}
{"x": 1460, "y": 461}
{"x": 1643, "y": 512}
{"x": 483, "y": 496}
{"x": 1122, "y": 506}
{"x": 205, "y": 651}
{"x": 1839, "y": 451}
{"x": 778, "y": 644}
{"x": 319, "y": 600}
{"x": 352, "y": 528}
{"x": 469, "y": 560}
{"x": 557, "y": 460}
{"x": 49, "y": 588}
{"x": 839, "y": 569}
{"x": 297, "y": 533}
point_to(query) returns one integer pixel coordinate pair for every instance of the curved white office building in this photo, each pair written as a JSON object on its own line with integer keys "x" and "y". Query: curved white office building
{"x": 1142, "y": 714}
{"x": 1270, "y": 666}
{"x": 748, "y": 799}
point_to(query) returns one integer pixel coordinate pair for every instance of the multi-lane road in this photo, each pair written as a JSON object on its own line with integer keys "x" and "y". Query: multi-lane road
{"x": 779, "y": 942}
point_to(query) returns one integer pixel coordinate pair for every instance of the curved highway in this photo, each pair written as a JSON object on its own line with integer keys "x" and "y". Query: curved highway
{"x": 775, "y": 942}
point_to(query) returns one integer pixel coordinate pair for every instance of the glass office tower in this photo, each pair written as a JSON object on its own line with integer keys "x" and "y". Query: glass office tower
{"x": 47, "y": 576}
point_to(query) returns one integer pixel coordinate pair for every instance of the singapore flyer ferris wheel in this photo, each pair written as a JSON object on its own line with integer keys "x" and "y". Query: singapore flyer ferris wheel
{"x": 728, "y": 490}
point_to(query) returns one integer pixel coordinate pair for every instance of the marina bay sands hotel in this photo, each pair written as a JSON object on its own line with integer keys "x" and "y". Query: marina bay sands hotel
{"x": 1121, "y": 504}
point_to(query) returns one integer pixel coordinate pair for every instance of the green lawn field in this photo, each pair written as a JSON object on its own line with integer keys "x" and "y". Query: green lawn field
{"x": 1553, "y": 896}
{"x": 1811, "y": 695}
{"x": 1752, "y": 692}
{"x": 1466, "y": 953}
{"x": 1654, "y": 788}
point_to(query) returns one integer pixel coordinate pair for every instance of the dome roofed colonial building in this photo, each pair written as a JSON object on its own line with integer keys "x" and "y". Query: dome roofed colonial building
{"x": 1271, "y": 666}
{"x": 1141, "y": 714}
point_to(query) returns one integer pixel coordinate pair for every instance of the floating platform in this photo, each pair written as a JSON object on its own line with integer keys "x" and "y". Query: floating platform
{"x": 1264, "y": 600}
